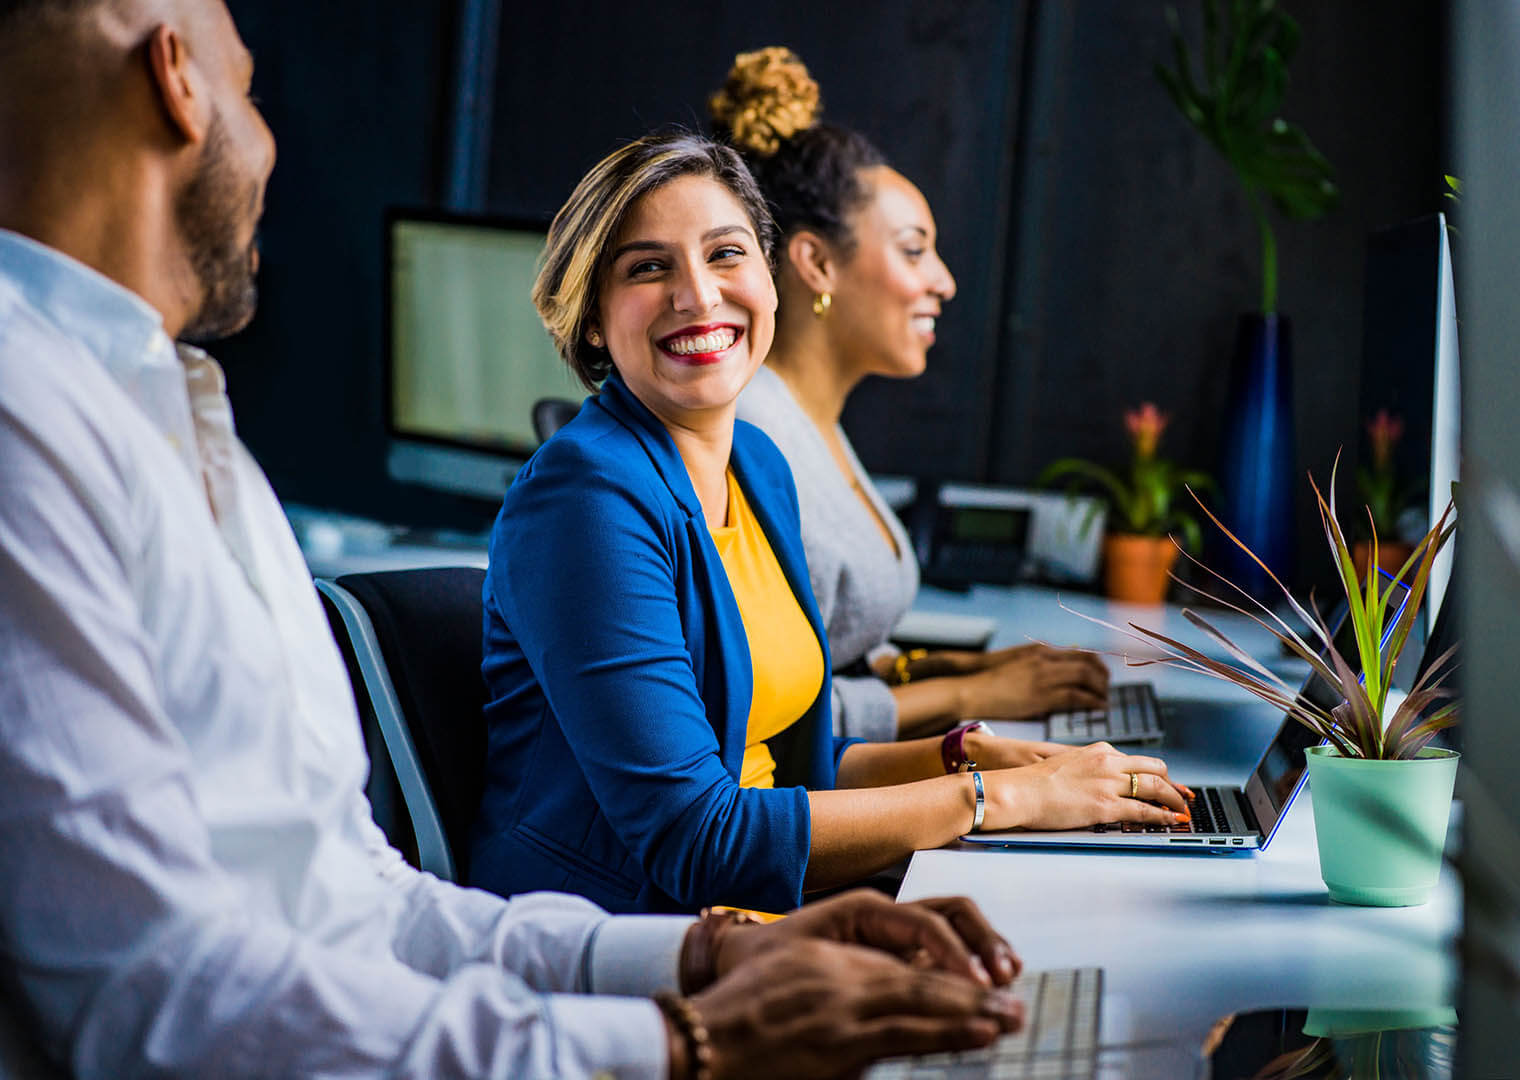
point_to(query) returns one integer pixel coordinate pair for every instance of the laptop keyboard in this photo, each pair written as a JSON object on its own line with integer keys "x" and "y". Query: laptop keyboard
{"x": 1059, "y": 1039}
{"x": 1133, "y": 715}
{"x": 1207, "y": 809}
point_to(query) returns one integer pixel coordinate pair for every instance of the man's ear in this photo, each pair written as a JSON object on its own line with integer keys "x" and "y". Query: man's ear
{"x": 813, "y": 260}
{"x": 179, "y": 88}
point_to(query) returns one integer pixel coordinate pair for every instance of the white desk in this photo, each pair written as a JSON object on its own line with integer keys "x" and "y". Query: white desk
{"x": 1187, "y": 938}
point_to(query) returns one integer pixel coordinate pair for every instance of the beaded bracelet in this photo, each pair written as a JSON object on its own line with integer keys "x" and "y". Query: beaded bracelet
{"x": 683, "y": 1016}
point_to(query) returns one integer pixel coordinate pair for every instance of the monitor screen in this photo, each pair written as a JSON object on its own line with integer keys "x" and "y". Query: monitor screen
{"x": 1410, "y": 369}
{"x": 468, "y": 355}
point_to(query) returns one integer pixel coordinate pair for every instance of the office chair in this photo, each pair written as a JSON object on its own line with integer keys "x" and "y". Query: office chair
{"x": 552, "y": 413}
{"x": 415, "y": 638}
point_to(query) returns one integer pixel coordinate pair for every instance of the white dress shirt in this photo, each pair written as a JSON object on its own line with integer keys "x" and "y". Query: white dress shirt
{"x": 190, "y": 879}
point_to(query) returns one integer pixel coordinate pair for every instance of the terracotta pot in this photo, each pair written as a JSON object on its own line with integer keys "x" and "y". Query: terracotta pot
{"x": 1135, "y": 567}
{"x": 1391, "y": 555}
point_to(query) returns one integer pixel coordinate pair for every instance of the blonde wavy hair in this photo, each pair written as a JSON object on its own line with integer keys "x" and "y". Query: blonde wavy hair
{"x": 567, "y": 292}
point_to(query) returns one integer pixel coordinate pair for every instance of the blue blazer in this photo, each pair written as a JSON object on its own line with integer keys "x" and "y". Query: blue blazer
{"x": 618, "y": 680}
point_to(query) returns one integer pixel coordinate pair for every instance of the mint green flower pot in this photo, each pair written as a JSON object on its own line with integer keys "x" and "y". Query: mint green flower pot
{"x": 1381, "y": 825}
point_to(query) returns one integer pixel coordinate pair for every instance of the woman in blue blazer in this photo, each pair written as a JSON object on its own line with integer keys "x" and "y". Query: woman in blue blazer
{"x": 619, "y": 670}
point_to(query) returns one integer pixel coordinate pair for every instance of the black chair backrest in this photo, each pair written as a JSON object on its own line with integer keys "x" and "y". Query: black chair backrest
{"x": 552, "y": 413}
{"x": 428, "y": 625}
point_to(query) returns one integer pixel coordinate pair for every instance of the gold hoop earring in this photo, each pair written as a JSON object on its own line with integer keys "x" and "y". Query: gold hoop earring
{"x": 821, "y": 304}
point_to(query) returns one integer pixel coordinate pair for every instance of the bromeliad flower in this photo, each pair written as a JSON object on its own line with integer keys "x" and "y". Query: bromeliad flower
{"x": 1144, "y": 501}
{"x": 1377, "y": 483}
{"x": 1145, "y": 426}
{"x": 1384, "y": 432}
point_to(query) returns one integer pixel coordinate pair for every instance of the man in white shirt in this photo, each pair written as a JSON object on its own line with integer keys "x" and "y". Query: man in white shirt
{"x": 190, "y": 881}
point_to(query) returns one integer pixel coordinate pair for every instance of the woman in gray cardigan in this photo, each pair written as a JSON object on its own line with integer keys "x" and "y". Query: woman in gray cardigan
{"x": 860, "y": 288}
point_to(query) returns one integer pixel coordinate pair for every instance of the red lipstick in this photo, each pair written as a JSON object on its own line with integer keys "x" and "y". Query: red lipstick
{"x": 712, "y": 356}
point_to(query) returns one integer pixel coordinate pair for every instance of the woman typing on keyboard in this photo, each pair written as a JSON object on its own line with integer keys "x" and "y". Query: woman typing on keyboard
{"x": 657, "y": 670}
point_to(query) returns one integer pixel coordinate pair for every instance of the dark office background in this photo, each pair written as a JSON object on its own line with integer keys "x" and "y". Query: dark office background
{"x": 1103, "y": 250}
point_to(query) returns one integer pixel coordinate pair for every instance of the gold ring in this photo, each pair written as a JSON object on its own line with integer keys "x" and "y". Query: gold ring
{"x": 1134, "y": 785}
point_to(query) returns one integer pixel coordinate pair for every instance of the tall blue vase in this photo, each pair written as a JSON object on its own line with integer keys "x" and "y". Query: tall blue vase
{"x": 1256, "y": 472}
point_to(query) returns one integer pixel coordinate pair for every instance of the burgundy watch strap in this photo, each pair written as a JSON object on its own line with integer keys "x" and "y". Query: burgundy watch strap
{"x": 952, "y": 749}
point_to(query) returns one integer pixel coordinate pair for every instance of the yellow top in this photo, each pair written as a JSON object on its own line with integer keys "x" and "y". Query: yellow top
{"x": 784, "y": 653}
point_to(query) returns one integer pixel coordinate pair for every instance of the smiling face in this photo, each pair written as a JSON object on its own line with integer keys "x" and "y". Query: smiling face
{"x": 891, "y": 285}
{"x": 687, "y": 307}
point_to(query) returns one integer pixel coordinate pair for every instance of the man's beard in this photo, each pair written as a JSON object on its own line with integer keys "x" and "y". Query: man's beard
{"x": 208, "y": 213}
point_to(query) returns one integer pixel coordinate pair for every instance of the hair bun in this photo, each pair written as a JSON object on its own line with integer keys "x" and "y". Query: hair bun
{"x": 768, "y": 96}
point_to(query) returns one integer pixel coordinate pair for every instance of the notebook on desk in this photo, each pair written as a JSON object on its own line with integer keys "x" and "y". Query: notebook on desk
{"x": 1225, "y": 817}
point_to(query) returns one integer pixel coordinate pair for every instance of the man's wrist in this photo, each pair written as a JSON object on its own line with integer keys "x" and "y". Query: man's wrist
{"x": 701, "y": 962}
{"x": 676, "y": 1051}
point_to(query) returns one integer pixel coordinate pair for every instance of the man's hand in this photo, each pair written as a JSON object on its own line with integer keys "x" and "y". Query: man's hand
{"x": 815, "y": 1008}
{"x": 950, "y": 934}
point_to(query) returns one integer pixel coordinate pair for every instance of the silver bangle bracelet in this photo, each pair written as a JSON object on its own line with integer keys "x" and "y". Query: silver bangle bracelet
{"x": 981, "y": 802}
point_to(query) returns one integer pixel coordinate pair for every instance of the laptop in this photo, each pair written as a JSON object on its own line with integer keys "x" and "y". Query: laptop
{"x": 1133, "y": 716}
{"x": 1225, "y": 818}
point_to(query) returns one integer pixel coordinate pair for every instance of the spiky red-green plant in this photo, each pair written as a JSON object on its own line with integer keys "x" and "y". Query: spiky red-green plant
{"x": 1355, "y": 727}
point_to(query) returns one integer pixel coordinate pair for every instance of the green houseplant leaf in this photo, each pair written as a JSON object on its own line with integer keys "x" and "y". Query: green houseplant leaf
{"x": 1244, "y": 59}
{"x": 1356, "y": 727}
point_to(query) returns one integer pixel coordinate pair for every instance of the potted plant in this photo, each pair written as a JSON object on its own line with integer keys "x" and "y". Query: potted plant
{"x": 1235, "y": 106}
{"x": 1377, "y": 484}
{"x": 1138, "y": 553}
{"x": 1382, "y": 794}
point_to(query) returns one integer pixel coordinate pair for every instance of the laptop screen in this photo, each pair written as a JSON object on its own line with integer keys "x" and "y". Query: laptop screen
{"x": 1281, "y": 768}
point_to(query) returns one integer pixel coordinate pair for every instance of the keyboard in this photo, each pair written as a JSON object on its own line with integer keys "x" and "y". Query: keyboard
{"x": 1059, "y": 1039}
{"x": 1210, "y": 821}
{"x": 1133, "y": 716}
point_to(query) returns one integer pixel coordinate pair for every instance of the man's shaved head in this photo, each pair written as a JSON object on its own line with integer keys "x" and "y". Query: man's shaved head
{"x": 128, "y": 140}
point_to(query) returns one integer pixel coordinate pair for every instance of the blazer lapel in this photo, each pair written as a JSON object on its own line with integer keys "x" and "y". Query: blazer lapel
{"x": 786, "y": 544}
{"x": 726, "y": 647}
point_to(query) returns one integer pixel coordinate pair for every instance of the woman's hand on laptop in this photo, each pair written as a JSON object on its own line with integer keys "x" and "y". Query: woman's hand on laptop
{"x": 1091, "y": 785}
{"x": 1032, "y": 680}
{"x": 997, "y": 752}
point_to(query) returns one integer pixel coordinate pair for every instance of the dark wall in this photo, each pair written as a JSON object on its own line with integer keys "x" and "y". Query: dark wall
{"x": 1103, "y": 250}
{"x": 1136, "y": 252}
{"x": 356, "y": 94}
{"x": 933, "y": 84}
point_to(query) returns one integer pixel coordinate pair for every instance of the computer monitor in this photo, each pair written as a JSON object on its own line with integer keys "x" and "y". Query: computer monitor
{"x": 1410, "y": 363}
{"x": 466, "y": 354}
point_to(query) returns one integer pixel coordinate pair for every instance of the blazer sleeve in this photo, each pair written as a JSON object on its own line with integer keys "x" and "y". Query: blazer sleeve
{"x": 583, "y": 568}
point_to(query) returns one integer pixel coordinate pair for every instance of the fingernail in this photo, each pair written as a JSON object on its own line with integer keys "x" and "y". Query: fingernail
{"x": 1189, "y": 792}
{"x": 1001, "y": 1003}
{"x": 979, "y": 971}
{"x": 1004, "y": 962}
{"x": 1183, "y": 818}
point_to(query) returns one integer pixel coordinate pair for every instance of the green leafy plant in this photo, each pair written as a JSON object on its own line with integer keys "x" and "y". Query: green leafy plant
{"x": 1377, "y": 482}
{"x": 1145, "y": 503}
{"x": 1355, "y": 728}
{"x": 1245, "y": 61}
